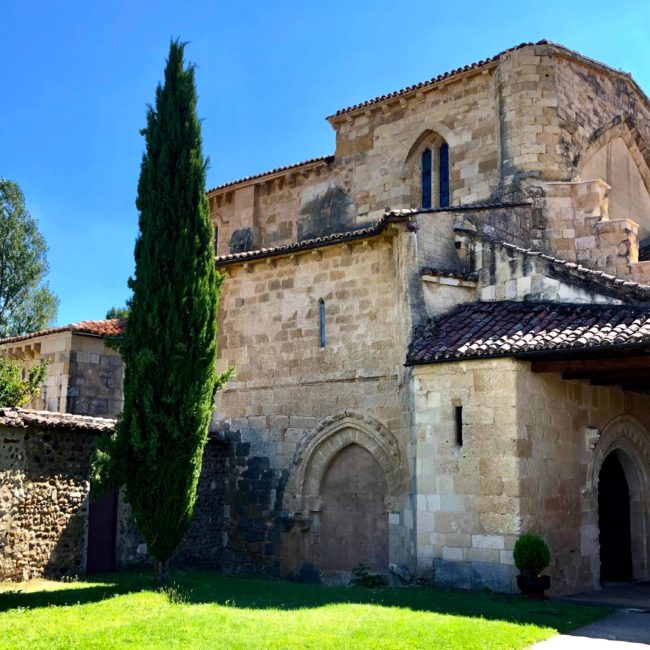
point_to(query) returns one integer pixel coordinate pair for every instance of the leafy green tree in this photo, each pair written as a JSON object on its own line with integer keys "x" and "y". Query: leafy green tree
{"x": 117, "y": 312}
{"x": 169, "y": 347}
{"x": 26, "y": 303}
{"x": 18, "y": 388}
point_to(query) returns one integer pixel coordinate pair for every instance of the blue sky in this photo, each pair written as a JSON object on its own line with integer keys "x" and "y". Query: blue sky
{"x": 77, "y": 76}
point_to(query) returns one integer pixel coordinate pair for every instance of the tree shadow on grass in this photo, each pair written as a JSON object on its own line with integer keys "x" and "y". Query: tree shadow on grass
{"x": 204, "y": 587}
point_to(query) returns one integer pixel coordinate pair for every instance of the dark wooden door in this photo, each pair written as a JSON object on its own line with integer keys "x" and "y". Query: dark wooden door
{"x": 102, "y": 531}
{"x": 614, "y": 522}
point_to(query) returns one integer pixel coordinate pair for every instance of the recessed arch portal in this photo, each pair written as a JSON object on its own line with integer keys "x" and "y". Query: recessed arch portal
{"x": 623, "y": 449}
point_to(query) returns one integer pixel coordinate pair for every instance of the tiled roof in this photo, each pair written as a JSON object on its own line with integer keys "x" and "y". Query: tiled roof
{"x": 637, "y": 290}
{"x": 277, "y": 170}
{"x": 111, "y": 327}
{"x": 488, "y": 329}
{"x": 317, "y": 242}
{"x": 479, "y": 64}
{"x": 394, "y": 216}
{"x": 17, "y": 418}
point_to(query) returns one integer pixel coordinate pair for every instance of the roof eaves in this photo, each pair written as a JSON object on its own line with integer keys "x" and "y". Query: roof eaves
{"x": 272, "y": 172}
{"x": 308, "y": 244}
{"x": 18, "y": 418}
{"x": 593, "y": 275}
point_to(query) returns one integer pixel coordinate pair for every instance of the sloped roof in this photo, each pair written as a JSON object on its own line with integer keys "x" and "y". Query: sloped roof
{"x": 110, "y": 327}
{"x": 491, "y": 329}
{"x": 317, "y": 242}
{"x": 17, "y": 418}
{"x": 479, "y": 64}
{"x": 621, "y": 286}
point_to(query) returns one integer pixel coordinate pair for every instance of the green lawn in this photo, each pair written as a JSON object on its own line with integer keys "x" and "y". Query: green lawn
{"x": 206, "y": 610}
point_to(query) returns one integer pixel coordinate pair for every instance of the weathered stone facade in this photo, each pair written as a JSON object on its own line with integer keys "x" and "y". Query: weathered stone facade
{"x": 334, "y": 434}
{"x": 44, "y": 492}
{"x": 528, "y": 222}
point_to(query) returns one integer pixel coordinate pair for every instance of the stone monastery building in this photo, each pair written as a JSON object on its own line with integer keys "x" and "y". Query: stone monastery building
{"x": 441, "y": 336}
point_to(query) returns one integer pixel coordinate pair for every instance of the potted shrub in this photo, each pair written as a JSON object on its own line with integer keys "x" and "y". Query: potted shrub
{"x": 531, "y": 557}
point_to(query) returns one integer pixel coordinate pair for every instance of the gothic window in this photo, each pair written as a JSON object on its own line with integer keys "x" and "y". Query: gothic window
{"x": 443, "y": 175}
{"x": 431, "y": 155}
{"x": 426, "y": 178}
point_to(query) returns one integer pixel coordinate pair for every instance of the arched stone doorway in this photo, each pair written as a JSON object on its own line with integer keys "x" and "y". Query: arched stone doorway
{"x": 620, "y": 461}
{"x": 353, "y": 518}
{"x": 614, "y": 521}
{"x": 346, "y": 487}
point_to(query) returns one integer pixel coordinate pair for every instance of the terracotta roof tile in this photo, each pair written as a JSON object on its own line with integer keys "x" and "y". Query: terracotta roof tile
{"x": 17, "y": 418}
{"x": 111, "y": 327}
{"x": 475, "y": 330}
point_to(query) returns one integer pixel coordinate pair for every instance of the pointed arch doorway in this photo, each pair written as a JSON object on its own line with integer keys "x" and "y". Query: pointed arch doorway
{"x": 614, "y": 523}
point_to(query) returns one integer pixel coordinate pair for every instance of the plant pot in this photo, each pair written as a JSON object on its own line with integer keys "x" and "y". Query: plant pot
{"x": 533, "y": 587}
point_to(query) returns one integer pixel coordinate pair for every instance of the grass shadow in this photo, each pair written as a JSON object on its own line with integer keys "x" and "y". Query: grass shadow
{"x": 204, "y": 587}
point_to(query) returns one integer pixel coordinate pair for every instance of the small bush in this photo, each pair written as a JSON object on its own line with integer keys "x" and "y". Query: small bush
{"x": 361, "y": 577}
{"x": 531, "y": 555}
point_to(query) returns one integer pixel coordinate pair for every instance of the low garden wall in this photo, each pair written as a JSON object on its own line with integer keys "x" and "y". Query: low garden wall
{"x": 44, "y": 487}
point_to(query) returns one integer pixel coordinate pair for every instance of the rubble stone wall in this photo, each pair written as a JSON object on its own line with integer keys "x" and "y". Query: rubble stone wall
{"x": 44, "y": 486}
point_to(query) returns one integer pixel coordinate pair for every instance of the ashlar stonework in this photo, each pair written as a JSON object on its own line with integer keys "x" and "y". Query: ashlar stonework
{"x": 369, "y": 410}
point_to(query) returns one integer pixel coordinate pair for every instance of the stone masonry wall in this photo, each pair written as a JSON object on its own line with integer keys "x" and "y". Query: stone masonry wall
{"x": 373, "y": 169}
{"x": 285, "y": 383}
{"x": 55, "y": 350}
{"x": 558, "y": 425}
{"x": 529, "y": 443}
{"x": 44, "y": 486}
{"x": 95, "y": 378}
{"x": 468, "y": 505}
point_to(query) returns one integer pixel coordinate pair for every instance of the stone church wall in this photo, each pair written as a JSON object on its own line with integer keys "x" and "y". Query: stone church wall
{"x": 286, "y": 383}
{"x": 468, "y": 505}
{"x": 559, "y": 424}
{"x": 530, "y": 442}
{"x": 44, "y": 486}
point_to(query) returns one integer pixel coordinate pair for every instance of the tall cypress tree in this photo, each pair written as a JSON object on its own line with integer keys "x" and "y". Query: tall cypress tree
{"x": 169, "y": 347}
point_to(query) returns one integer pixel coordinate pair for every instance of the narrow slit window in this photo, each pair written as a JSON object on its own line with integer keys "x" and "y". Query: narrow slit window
{"x": 426, "y": 178}
{"x": 321, "y": 322}
{"x": 216, "y": 240}
{"x": 458, "y": 415}
{"x": 443, "y": 175}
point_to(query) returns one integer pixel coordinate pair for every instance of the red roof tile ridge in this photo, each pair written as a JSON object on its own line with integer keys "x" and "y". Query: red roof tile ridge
{"x": 303, "y": 163}
{"x": 111, "y": 326}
